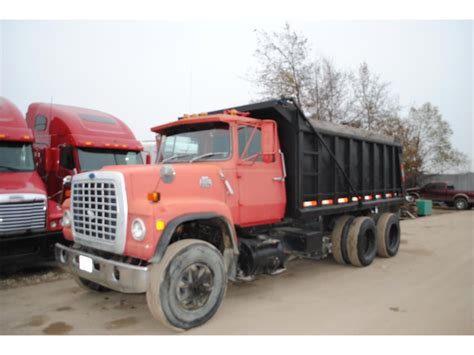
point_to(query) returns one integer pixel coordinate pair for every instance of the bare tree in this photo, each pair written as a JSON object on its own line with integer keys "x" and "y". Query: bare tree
{"x": 328, "y": 95}
{"x": 284, "y": 66}
{"x": 372, "y": 103}
{"x": 359, "y": 99}
{"x": 286, "y": 70}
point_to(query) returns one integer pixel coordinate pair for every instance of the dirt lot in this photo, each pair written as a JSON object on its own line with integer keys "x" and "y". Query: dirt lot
{"x": 426, "y": 289}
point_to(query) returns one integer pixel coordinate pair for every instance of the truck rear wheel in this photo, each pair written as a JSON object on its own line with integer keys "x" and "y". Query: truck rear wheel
{"x": 460, "y": 203}
{"x": 362, "y": 241}
{"x": 339, "y": 239}
{"x": 388, "y": 235}
{"x": 188, "y": 285}
{"x": 90, "y": 285}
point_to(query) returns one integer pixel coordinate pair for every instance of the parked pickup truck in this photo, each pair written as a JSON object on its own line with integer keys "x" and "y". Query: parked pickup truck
{"x": 235, "y": 193}
{"x": 440, "y": 191}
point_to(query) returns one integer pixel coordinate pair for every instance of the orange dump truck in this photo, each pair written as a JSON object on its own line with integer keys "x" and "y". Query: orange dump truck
{"x": 234, "y": 194}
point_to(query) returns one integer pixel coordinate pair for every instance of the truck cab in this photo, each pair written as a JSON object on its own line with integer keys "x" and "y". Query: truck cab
{"x": 24, "y": 206}
{"x": 238, "y": 150}
{"x": 70, "y": 140}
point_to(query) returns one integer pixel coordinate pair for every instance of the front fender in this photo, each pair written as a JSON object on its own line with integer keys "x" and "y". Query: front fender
{"x": 192, "y": 210}
{"x": 462, "y": 195}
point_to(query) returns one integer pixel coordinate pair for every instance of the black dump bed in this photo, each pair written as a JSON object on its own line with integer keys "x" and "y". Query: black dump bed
{"x": 331, "y": 168}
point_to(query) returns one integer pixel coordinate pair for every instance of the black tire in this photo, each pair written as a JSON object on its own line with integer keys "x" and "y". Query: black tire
{"x": 90, "y": 285}
{"x": 388, "y": 235}
{"x": 183, "y": 261}
{"x": 460, "y": 203}
{"x": 362, "y": 241}
{"x": 339, "y": 239}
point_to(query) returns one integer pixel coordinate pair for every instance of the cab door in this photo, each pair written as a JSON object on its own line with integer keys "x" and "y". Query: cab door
{"x": 262, "y": 196}
{"x": 438, "y": 192}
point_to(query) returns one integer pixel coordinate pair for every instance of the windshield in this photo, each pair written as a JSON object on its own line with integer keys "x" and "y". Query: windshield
{"x": 190, "y": 143}
{"x": 95, "y": 159}
{"x": 16, "y": 156}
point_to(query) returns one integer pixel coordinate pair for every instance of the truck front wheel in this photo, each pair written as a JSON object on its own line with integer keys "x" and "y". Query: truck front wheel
{"x": 362, "y": 241}
{"x": 188, "y": 285}
{"x": 388, "y": 235}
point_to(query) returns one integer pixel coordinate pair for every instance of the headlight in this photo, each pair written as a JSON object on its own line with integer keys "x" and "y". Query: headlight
{"x": 138, "y": 229}
{"x": 66, "y": 220}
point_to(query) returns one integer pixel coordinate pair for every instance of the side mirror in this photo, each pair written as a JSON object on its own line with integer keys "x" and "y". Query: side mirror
{"x": 268, "y": 141}
{"x": 147, "y": 159}
{"x": 66, "y": 191}
{"x": 158, "y": 140}
{"x": 67, "y": 181}
{"x": 51, "y": 159}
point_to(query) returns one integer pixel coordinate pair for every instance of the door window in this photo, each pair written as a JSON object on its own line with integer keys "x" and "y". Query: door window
{"x": 40, "y": 123}
{"x": 438, "y": 186}
{"x": 250, "y": 143}
{"x": 66, "y": 157}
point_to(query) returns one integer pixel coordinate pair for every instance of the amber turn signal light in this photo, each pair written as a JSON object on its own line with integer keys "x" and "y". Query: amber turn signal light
{"x": 153, "y": 196}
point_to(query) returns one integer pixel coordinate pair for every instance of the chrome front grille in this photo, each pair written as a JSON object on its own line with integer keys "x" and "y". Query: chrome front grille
{"x": 22, "y": 216}
{"x": 99, "y": 210}
{"x": 94, "y": 207}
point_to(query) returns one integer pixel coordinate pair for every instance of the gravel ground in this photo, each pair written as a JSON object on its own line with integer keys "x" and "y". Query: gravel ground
{"x": 426, "y": 289}
{"x": 32, "y": 276}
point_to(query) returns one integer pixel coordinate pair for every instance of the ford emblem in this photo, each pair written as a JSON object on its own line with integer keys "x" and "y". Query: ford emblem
{"x": 91, "y": 214}
{"x": 91, "y": 176}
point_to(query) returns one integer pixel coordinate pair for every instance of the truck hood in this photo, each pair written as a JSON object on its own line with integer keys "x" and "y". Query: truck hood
{"x": 190, "y": 181}
{"x": 21, "y": 182}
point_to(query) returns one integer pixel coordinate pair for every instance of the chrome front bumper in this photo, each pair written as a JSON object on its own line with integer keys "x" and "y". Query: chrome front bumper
{"x": 115, "y": 275}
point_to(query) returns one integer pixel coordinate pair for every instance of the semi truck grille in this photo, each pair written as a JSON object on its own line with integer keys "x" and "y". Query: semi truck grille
{"x": 99, "y": 210}
{"x": 95, "y": 209}
{"x": 22, "y": 216}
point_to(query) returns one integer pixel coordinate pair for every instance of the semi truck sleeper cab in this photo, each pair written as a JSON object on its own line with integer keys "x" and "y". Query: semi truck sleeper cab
{"x": 70, "y": 140}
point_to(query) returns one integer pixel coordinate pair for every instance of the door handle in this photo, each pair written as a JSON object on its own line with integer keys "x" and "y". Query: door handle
{"x": 283, "y": 165}
{"x": 230, "y": 191}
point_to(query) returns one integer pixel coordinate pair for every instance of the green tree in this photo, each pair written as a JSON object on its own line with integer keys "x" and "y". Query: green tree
{"x": 429, "y": 138}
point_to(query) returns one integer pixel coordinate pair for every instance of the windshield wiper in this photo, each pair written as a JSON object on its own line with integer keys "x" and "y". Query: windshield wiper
{"x": 206, "y": 155}
{"x": 176, "y": 156}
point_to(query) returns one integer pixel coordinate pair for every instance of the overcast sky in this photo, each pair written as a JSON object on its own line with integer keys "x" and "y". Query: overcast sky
{"x": 147, "y": 73}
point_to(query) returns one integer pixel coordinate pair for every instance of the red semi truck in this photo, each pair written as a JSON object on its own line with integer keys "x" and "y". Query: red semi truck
{"x": 70, "y": 140}
{"x": 235, "y": 193}
{"x": 26, "y": 233}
